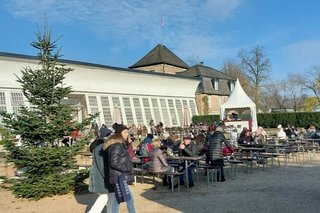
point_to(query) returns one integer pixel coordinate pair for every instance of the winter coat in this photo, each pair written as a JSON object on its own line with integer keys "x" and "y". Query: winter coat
{"x": 97, "y": 173}
{"x": 95, "y": 143}
{"x": 118, "y": 161}
{"x": 191, "y": 150}
{"x": 245, "y": 139}
{"x": 215, "y": 146}
{"x": 157, "y": 161}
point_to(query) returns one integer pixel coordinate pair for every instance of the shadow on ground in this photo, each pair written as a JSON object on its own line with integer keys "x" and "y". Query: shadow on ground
{"x": 87, "y": 199}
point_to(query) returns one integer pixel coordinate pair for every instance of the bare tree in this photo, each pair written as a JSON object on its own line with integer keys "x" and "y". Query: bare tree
{"x": 233, "y": 69}
{"x": 283, "y": 94}
{"x": 295, "y": 92}
{"x": 193, "y": 60}
{"x": 256, "y": 66}
{"x": 273, "y": 95}
{"x": 311, "y": 81}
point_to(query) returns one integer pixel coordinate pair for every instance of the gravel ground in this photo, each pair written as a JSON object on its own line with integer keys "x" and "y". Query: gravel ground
{"x": 294, "y": 188}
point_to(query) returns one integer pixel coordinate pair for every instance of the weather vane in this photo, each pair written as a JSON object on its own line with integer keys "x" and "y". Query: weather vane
{"x": 162, "y": 26}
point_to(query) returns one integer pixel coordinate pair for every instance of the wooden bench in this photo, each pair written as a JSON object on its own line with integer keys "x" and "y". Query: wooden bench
{"x": 171, "y": 175}
{"x": 234, "y": 170}
{"x": 212, "y": 171}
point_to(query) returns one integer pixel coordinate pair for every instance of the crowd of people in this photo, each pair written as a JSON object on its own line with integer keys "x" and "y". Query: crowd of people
{"x": 113, "y": 155}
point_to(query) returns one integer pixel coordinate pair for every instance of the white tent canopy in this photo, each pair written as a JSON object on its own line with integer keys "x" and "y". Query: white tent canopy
{"x": 240, "y": 102}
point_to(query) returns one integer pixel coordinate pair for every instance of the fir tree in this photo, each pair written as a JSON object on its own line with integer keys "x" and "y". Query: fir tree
{"x": 48, "y": 169}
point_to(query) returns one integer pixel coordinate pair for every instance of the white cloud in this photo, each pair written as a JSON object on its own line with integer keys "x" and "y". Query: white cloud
{"x": 120, "y": 18}
{"x": 187, "y": 24}
{"x": 207, "y": 49}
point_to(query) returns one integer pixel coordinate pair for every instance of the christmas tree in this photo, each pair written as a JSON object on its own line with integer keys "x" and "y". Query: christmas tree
{"x": 48, "y": 169}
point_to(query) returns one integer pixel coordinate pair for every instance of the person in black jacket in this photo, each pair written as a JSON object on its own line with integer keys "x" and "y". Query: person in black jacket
{"x": 214, "y": 145}
{"x": 118, "y": 162}
{"x": 187, "y": 148}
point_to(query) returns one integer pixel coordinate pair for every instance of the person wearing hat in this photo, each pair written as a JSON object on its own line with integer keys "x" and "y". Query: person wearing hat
{"x": 118, "y": 162}
{"x": 187, "y": 148}
{"x": 281, "y": 135}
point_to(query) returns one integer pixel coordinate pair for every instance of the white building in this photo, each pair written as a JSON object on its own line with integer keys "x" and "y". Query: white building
{"x": 140, "y": 95}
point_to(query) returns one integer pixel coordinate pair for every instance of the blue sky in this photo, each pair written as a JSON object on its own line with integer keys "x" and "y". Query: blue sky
{"x": 120, "y": 32}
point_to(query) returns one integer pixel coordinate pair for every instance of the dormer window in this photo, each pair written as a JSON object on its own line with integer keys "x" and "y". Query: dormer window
{"x": 215, "y": 84}
{"x": 231, "y": 85}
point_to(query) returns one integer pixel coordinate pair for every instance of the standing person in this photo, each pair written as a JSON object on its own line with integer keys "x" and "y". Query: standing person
{"x": 104, "y": 131}
{"x": 95, "y": 129}
{"x": 118, "y": 162}
{"x": 97, "y": 177}
{"x": 215, "y": 149}
{"x": 152, "y": 127}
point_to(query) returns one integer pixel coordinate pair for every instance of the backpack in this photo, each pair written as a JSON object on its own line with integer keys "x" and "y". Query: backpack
{"x": 145, "y": 149}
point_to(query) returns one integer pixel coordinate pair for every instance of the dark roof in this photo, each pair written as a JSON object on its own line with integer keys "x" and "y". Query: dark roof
{"x": 207, "y": 74}
{"x": 160, "y": 55}
{"x": 204, "y": 71}
{"x": 64, "y": 61}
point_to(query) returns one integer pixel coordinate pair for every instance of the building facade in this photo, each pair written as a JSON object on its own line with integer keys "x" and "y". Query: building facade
{"x": 159, "y": 87}
{"x": 140, "y": 95}
{"x": 213, "y": 90}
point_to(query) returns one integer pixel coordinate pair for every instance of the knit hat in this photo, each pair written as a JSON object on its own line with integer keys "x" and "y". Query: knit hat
{"x": 118, "y": 128}
{"x": 149, "y": 135}
{"x": 186, "y": 138}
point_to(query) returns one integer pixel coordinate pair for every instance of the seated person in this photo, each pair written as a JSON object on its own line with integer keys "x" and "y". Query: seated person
{"x": 312, "y": 132}
{"x": 187, "y": 148}
{"x": 167, "y": 142}
{"x": 281, "y": 135}
{"x": 259, "y": 136}
{"x": 288, "y": 131}
{"x": 172, "y": 144}
{"x": 145, "y": 146}
{"x": 245, "y": 137}
{"x": 157, "y": 161}
{"x": 234, "y": 116}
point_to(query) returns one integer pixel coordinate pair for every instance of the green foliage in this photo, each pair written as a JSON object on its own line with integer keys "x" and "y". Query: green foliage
{"x": 271, "y": 120}
{"x": 46, "y": 185}
{"x": 80, "y": 187}
{"x": 44, "y": 90}
{"x": 5, "y": 135}
{"x": 298, "y": 119}
{"x": 47, "y": 170}
{"x": 209, "y": 119}
{"x": 205, "y": 101}
{"x": 310, "y": 103}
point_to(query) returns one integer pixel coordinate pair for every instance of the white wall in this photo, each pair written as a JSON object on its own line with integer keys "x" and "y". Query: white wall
{"x": 106, "y": 80}
{"x": 96, "y": 81}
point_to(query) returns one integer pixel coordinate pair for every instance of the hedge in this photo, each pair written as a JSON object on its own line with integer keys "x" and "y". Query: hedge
{"x": 271, "y": 120}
